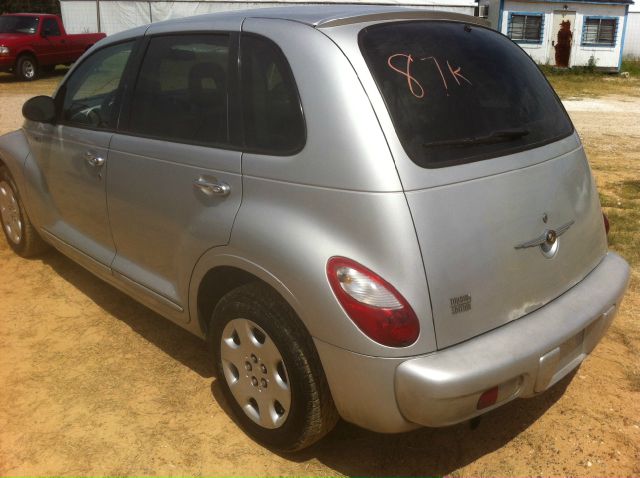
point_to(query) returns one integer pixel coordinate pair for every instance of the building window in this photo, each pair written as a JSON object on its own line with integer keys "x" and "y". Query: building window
{"x": 600, "y": 31}
{"x": 525, "y": 27}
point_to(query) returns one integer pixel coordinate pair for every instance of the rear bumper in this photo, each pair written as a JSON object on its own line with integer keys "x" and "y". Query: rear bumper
{"x": 523, "y": 358}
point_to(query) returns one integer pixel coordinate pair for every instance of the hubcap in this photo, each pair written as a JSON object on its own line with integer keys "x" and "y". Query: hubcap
{"x": 255, "y": 372}
{"x": 10, "y": 213}
{"x": 28, "y": 70}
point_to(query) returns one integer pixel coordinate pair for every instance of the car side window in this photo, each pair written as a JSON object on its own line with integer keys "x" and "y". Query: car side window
{"x": 272, "y": 112}
{"x": 90, "y": 93}
{"x": 181, "y": 93}
{"x": 50, "y": 27}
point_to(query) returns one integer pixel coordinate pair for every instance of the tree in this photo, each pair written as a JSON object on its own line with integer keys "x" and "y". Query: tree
{"x": 30, "y": 6}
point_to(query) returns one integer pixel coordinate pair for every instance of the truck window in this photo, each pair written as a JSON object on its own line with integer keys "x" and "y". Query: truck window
{"x": 50, "y": 27}
{"x": 18, "y": 24}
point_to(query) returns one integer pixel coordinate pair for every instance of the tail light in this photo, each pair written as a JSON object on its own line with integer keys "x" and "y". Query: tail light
{"x": 373, "y": 304}
{"x": 606, "y": 222}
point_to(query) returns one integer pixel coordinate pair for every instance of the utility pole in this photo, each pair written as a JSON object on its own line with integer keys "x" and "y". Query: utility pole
{"x": 98, "y": 15}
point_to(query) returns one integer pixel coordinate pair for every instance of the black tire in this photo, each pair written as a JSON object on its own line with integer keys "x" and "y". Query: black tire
{"x": 28, "y": 242}
{"x": 311, "y": 413}
{"x": 27, "y": 68}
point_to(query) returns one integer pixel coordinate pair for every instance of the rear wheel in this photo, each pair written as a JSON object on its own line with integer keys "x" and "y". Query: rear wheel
{"x": 20, "y": 233}
{"x": 269, "y": 370}
{"x": 27, "y": 68}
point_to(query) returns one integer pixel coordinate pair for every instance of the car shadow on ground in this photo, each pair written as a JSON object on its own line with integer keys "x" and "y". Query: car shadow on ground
{"x": 353, "y": 451}
{"x": 348, "y": 449}
{"x": 164, "y": 334}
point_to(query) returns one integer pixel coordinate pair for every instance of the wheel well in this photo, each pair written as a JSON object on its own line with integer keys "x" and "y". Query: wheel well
{"x": 214, "y": 285}
{"x": 26, "y": 53}
{"x": 23, "y": 54}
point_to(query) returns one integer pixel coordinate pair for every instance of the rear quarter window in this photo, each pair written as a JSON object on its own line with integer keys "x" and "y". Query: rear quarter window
{"x": 273, "y": 119}
{"x": 460, "y": 93}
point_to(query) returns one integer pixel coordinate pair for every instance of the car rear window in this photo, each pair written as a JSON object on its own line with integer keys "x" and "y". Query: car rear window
{"x": 460, "y": 93}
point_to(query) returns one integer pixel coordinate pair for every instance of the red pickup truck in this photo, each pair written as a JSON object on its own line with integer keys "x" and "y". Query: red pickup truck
{"x": 31, "y": 42}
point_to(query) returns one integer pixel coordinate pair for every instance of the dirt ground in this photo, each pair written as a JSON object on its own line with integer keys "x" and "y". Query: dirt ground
{"x": 91, "y": 383}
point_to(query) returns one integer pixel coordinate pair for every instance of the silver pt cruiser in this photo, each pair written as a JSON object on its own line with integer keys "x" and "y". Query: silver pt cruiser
{"x": 381, "y": 214}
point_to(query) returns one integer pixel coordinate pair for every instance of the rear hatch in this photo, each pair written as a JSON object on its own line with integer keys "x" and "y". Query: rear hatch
{"x": 503, "y": 201}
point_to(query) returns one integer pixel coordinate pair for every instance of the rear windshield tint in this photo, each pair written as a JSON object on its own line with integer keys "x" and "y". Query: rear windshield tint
{"x": 460, "y": 93}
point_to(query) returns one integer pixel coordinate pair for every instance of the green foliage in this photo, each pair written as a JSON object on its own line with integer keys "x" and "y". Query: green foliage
{"x": 632, "y": 66}
{"x": 621, "y": 203}
{"x": 30, "y": 6}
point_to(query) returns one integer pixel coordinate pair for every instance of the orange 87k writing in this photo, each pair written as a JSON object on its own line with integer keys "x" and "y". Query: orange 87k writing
{"x": 415, "y": 87}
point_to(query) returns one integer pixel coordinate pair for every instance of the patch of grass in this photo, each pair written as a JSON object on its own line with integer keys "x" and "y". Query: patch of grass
{"x": 587, "y": 81}
{"x": 631, "y": 66}
{"x": 630, "y": 190}
{"x": 621, "y": 203}
{"x": 633, "y": 377}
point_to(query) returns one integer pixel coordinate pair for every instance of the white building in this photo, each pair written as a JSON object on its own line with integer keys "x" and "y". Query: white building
{"x": 564, "y": 33}
{"x": 112, "y": 16}
{"x": 631, "y": 47}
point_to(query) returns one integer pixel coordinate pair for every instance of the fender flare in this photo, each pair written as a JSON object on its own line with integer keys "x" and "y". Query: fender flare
{"x": 227, "y": 256}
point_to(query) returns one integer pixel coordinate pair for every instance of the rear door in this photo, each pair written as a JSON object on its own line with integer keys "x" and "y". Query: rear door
{"x": 503, "y": 201}
{"x": 174, "y": 180}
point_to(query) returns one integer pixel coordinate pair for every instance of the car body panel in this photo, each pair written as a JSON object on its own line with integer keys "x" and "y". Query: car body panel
{"x": 14, "y": 150}
{"x": 152, "y": 200}
{"x": 72, "y": 193}
{"x": 478, "y": 231}
{"x": 292, "y": 230}
{"x": 338, "y": 153}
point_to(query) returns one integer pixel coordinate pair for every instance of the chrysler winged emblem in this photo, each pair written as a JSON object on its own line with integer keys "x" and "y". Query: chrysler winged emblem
{"x": 547, "y": 240}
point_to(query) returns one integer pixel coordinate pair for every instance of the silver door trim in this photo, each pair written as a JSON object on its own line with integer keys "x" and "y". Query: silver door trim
{"x": 160, "y": 298}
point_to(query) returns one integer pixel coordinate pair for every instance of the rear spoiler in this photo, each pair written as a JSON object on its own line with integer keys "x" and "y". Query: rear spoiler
{"x": 404, "y": 15}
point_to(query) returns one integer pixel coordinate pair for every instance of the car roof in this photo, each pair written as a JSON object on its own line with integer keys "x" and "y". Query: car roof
{"x": 322, "y": 16}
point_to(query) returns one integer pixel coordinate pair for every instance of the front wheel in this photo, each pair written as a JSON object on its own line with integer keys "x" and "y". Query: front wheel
{"x": 27, "y": 68}
{"x": 21, "y": 236}
{"x": 269, "y": 370}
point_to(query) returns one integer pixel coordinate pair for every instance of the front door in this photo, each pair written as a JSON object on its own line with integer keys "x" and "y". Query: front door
{"x": 72, "y": 155}
{"x": 174, "y": 184}
{"x": 52, "y": 44}
{"x": 562, "y": 37}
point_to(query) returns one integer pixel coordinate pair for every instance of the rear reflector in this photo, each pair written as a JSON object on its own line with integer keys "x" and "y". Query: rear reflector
{"x": 373, "y": 304}
{"x": 488, "y": 398}
{"x": 606, "y": 223}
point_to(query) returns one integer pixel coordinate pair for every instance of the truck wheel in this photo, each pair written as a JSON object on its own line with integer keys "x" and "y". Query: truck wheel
{"x": 20, "y": 233}
{"x": 27, "y": 68}
{"x": 269, "y": 370}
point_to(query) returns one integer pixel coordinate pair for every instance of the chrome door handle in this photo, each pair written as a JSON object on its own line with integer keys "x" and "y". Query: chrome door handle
{"x": 212, "y": 188}
{"x": 93, "y": 159}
